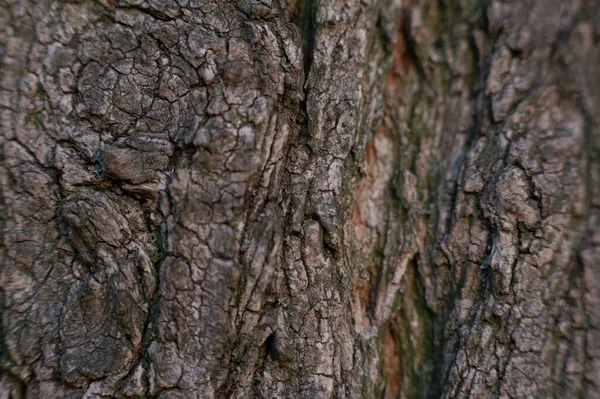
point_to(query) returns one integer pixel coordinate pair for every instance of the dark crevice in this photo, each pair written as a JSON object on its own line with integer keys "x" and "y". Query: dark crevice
{"x": 304, "y": 17}
{"x": 382, "y": 35}
{"x": 329, "y": 246}
{"x": 149, "y": 11}
{"x": 271, "y": 348}
{"x": 411, "y": 46}
{"x": 18, "y": 386}
{"x": 157, "y": 257}
{"x": 481, "y": 107}
{"x": 418, "y": 347}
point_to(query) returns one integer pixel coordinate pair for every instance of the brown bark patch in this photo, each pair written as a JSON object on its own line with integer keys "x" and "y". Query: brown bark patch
{"x": 391, "y": 362}
{"x": 370, "y": 209}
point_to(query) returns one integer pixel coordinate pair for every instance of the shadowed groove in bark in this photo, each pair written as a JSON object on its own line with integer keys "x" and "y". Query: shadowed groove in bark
{"x": 412, "y": 352}
{"x": 303, "y": 14}
{"x": 409, "y": 43}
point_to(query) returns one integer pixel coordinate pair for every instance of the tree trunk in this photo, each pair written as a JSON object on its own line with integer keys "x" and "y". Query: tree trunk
{"x": 301, "y": 199}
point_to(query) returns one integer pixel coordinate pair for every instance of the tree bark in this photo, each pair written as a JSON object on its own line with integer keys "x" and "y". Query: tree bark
{"x": 301, "y": 199}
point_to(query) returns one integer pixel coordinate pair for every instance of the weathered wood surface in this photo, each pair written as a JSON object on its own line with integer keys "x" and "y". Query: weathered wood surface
{"x": 311, "y": 199}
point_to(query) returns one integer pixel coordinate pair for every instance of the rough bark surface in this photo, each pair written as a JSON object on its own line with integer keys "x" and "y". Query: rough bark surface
{"x": 301, "y": 199}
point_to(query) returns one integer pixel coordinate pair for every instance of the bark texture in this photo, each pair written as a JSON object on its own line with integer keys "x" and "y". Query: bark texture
{"x": 301, "y": 199}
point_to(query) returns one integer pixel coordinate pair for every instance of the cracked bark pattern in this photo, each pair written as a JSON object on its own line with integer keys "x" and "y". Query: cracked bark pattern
{"x": 382, "y": 198}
